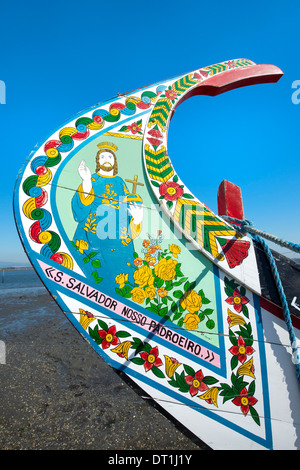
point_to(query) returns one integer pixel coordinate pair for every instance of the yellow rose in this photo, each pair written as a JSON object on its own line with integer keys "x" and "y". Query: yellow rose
{"x": 138, "y": 295}
{"x": 191, "y": 301}
{"x": 143, "y": 276}
{"x": 82, "y": 245}
{"x": 175, "y": 250}
{"x": 165, "y": 269}
{"x": 121, "y": 279}
{"x": 150, "y": 292}
{"x": 191, "y": 321}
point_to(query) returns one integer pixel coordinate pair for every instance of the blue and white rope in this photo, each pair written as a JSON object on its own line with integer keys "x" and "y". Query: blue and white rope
{"x": 247, "y": 226}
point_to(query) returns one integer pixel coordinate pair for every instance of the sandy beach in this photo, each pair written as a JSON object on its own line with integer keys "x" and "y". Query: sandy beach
{"x": 57, "y": 394}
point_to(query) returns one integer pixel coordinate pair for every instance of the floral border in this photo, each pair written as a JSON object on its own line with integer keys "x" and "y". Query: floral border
{"x": 239, "y": 391}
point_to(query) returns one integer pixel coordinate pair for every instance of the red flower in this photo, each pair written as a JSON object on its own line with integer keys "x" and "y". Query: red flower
{"x": 109, "y": 337}
{"x": 231, "y": 63}
{"x": 237, "y": 300}
{"x": 171, "y": 191}
{"x": 244, "y": 401}
{"x": 134, "y": 128}
{"x": 196, "y": 383}
{"x": 241, "y": 350}
{"x": 151, "y": 358}
{"x": 171, "y": 94}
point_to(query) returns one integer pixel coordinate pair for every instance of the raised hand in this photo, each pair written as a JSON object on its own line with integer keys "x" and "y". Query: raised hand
{"x": 86, "y": 176}
{"x": 137, "y": 211}
{"x": 84, "y": 171}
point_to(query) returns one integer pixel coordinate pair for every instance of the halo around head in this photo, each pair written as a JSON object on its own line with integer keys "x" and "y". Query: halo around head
{"x": 107, "y": 146}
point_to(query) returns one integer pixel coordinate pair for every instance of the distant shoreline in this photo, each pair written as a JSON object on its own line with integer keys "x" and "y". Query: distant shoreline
{"x": 5, "y": 265}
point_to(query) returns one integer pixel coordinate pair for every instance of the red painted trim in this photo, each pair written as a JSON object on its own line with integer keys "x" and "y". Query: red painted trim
{"x": 235, "y": 78}
{"x": 277, "y": 311}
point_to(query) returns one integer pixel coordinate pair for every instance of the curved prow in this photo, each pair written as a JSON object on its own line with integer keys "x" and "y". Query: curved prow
{"x": 236, "y": 78}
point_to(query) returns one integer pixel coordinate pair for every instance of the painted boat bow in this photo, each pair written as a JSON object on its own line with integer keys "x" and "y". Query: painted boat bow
{"x": 175, "y": 306}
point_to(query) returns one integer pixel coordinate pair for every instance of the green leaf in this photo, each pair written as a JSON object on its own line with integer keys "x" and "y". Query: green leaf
{"x": 245, "y": 311}
{"x": 187, "y": 285}
{"x": 163, "y": 311}
{"x": 201, "y": 316}
{"x": 169, "y": 286}
{"x": 173, "y": 383}
{"x": 187, "y": 196}
{"x": 182, "y": 382}
{"x": 94, "y": 333}
{"x": 177, "y": 283}
{"x": 228, "y": 396}
{"x": 136, "y": 343}
{"x": 96, "y": 263}
{"x": 175, "y": 178}
{"x": 210, "y": 324}
{"x": 155, "y": 183}
{"x": 122, "y": 334}
{"x": 119, "y": 291}
{"x": 135, "y": 255}
{"x": 254, "y": 415}
{"x": 251, "y": 389}
{"x": 178, "y": 294}
{"x": 189, "y": 370}
{"x": 242, "y": 291}
{"x": 234, "y": 362}
{"x": 152, "y": 308}
{"x": 240, "y": 384}
{"x": 208, "y": 380}
{"x": 103, "y": 325}
{"x": 208, "y": 311}
{"x": 156, "y": 371}
{"x": 96, "y": 277}
{"x": 232, "y": 338}
{"x": 169, "y": 204}
{"x": 177, "y": 316}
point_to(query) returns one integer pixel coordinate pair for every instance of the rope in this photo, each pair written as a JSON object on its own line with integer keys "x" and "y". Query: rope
{"x": 247, "y": 226}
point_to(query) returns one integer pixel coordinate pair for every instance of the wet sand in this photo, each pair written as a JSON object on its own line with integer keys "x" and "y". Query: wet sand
{"x": 57, "y": 394}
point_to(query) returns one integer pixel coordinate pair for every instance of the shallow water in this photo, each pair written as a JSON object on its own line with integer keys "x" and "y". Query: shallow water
{"x": 19, "y": 279}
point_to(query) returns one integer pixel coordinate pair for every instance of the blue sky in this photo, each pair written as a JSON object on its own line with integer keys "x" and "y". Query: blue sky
{"x": 58, "y": 58}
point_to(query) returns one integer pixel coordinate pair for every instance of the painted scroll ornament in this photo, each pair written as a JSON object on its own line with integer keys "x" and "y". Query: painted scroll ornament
{"x": 160, "y": 286}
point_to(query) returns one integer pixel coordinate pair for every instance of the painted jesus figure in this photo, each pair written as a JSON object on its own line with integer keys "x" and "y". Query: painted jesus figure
{"x": 107, "y": 223}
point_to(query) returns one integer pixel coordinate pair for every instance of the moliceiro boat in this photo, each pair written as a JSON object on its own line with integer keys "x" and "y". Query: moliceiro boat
{"x": 190, "y": 306}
